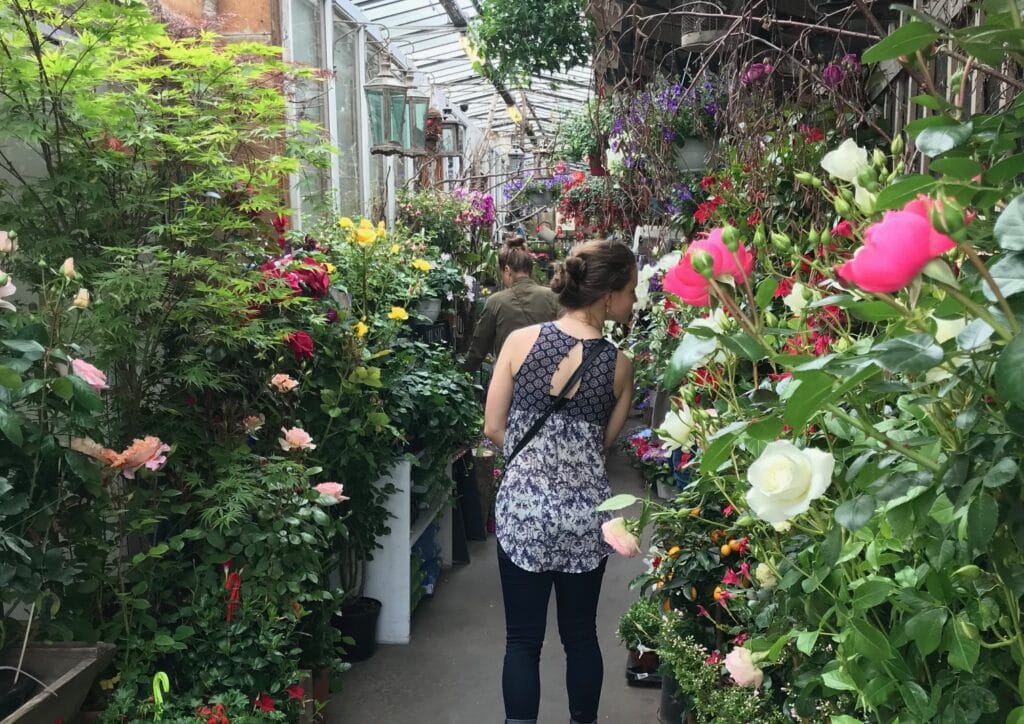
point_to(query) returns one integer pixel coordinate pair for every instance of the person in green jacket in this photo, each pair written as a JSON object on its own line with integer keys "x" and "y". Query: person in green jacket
{"x": 523, "y": 302}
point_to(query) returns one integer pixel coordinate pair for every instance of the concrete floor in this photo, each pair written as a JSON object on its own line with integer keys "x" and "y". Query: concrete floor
{"x": 451, "y": 671}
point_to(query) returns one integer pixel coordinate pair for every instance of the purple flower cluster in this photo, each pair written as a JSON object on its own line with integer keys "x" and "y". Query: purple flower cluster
{"x": 480, "y": 211}
{"x": 514, "y": 187}
{"x": 835, "y": 74}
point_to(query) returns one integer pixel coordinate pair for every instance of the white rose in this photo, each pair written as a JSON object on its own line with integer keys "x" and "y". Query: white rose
{"x": 798, "y": 298}
{"x": 765, "y": 576}
{"x": 669, "y": 261}
{"x": 741, "y": 667}
{"x": 785, "y": 479}
{"x": 677, "y": 430}
{"x": 7, "y": 244}
{"x": 846, "y": 161}
{"x": 643, "y": 287}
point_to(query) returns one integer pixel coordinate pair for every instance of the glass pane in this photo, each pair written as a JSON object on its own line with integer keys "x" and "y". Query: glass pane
{"x": 346, "y": 86}
{"x": 418, "y": 121}
{"x": 375, "y": 102}
{"x": 448, "y": 140}
{"x": 307, "y": 33}
{"x": 399, "y": 120}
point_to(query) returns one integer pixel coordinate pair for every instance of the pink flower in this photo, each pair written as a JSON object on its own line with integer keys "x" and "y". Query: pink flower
{"x": 331, "y": 490}
{"x": 896, "y": 249}
{"x": 701, "y": 611}
{"x": 147, "y": 452}
{"x": 283, "y": 383}
{"x": 296, "y": 438}
{"x": 88, "y": 446}
{"x": 744, "y": 569}
{"x": 689, "y": 285}
{"x": 730, "y": 578}
{"x": 95, "y": 378}
{"x": 741, "y": 639}
{"x": 740, "y": 664}
{"x": 728, "y": 510}
{"x": 723, "y": 597}
{"x": 618, "y": 537}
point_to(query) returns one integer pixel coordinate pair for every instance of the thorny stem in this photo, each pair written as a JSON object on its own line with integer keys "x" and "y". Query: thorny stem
{"x": 976, "y": 260}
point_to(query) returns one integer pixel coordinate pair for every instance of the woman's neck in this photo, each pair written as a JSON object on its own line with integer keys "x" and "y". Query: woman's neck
{"x": 591, "y": 318}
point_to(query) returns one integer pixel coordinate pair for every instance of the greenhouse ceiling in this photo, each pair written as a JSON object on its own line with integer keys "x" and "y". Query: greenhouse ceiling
{"x": 433, "y": 35}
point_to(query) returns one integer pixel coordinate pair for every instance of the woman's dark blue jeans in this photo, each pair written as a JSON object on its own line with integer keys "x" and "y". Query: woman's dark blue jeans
{"x": 526, "y": 596}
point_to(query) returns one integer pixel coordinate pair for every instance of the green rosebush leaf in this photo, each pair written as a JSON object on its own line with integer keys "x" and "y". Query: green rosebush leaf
{"x": 1009, "y": 373}
{"x": 854, "y": 514}
{"x": 960, "y": 639}
{"x": 9, "y": 378}
{"x": 896, "y": 195}
{"x": 869, "y": 641}
{"x": 906, "y": 39}
{"x": 618, "y": 502}
{"x": 1009, "y": 229}
{"x": 940, "y": 139}
{"x": 9, "y": 425}
{"x": 982, "y": 519}
{"x": 691, "y": 351}
{"x": 914, "y": 353}
{"x": 1008, "y": 274}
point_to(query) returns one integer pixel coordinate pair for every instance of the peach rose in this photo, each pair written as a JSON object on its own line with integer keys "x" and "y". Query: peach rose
{"x": 740, "y": 664}
{"x": 147, "y": 452}
{"x": 68, "y": 268}
{"x": 88, "y": 446}
{"x": 253, "y": 423}
{"x": 95, "y": 378}
{"x": 331, "y": 490}
{"x": 296, "y": 438}
{"x": 283, "y": 383}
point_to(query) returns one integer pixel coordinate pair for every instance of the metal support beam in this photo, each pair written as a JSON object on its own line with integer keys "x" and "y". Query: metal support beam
{"x": 454, "y": 12}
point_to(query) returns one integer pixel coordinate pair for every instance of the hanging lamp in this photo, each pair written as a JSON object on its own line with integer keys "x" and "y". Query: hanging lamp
{"x": 386, "y": 98}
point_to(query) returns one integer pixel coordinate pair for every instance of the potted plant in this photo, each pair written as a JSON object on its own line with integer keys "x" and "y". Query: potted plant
{"x": 638, "y": 631}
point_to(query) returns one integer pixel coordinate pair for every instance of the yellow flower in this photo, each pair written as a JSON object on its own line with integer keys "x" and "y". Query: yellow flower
{"x": 421, "y": 264}
{"x": 365, "y": 224}
{"x": 398, "y": 313}
{"x": 345, "y": 223}
{"x": 329, "y": 267}
{"x": 365, "y": 236}
{"x": 360, "y": 329}
{"x": 395, "y": 248}
{"x": 381, "y": 229}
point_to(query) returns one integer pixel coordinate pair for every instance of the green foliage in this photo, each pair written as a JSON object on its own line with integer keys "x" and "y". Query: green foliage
{"x": 519, "y": 39}
{"x": 436, "y": 215}
{"x": 640, "y": 624}
{"x": 579, "y": 133}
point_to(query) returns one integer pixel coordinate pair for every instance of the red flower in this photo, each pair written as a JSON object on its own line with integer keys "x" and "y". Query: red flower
{"x": 728, "y": 510}
{"x": 295, "y": 692}
{"x": 114, "y": 144}
{"x": 730, "y": 578}
{"x": 714, "y": 659}
{"x": 684, "y": 459}
{"x": 280, "y": 223}
{"x": 703, "y": 377}
{"x": 811, "y": 134}
{"x": 744, "y": 569}
{"x": 705, "y": 211}
{"x": 844, "y": 229}
{"x": 741, "y": 639}
{"x": 726, "y": 184}
{"x": 724, "y": 596}
{"x": 707, "y": 182}
{"x": 784, "y": 288}
{"x": 669, "y": 305}
{"x": 233, "y": 585}
{"x": 312, "y": 278}
{"x": 743, "y": 542}
{"x": 701, "y": 611}
{"x": 263, "y": 702}
{"x": 822, "y": 342}
{"x": 301, "y": 344}
{"x": 656, "y": 562}
{"x": 754, "y": 218}
{"x": 674, "y": 328}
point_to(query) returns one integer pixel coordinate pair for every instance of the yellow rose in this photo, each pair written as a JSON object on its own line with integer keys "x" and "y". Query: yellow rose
{"x": 345, "y": 223}
{"x": 330, "y": 267}
{"x": 421, "y": 265}
{"x": 382, "y": 230}
{"x": 360, "y": 329}
{"x": 365, "y": 236}
{"x": 395, "y": 248}
{"x": 365, "y": 224}
{"x": 398, "y": 313}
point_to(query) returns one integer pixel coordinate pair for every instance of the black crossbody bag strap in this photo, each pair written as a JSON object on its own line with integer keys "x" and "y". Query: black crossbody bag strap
{"x": 559, "y": 402}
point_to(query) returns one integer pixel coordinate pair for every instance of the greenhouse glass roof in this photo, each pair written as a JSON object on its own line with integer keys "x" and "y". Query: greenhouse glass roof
{"x": 432, "y": 33}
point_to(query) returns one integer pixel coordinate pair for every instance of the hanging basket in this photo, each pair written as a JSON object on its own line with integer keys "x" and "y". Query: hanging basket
{"x": 699, "y": 31}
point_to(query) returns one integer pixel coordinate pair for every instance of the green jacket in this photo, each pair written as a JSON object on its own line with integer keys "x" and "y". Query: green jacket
{"x": 522, "y": 304}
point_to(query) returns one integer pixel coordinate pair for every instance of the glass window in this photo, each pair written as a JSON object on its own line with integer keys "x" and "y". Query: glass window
{"x": 307, "y": 48}
{"x": 346, "y": 89}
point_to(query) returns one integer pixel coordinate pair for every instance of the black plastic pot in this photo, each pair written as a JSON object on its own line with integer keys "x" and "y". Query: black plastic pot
{"x": 358, "y": 621}
{"x": 12, "y": 695}
{"x": 674, "y": 708}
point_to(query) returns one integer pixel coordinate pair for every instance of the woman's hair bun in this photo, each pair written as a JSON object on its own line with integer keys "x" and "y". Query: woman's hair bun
{"x": 516, "y": 242}
{"x": 576, "y": 267}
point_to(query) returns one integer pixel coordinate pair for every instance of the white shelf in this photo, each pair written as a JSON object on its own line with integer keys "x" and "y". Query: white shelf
{"x": 387, "y": 575}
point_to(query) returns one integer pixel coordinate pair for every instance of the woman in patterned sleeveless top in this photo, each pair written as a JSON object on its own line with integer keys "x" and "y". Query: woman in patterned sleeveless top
{"x": 549, "y": 531}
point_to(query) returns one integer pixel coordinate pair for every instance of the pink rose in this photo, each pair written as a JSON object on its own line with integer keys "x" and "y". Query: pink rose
{"x": 896, "y": 249}
{"x": 147, "y": 452}
{"x": 618, "y": 537}
{"x": 331, "y": 490}
{"x": 740, "y": 664}
{"x": 95, "y": 378}
{"x": 296, "y": 438}
{"x": 283, "y": 383}
{"x": 689, "y": 285}
{"x": 253, "y": 423}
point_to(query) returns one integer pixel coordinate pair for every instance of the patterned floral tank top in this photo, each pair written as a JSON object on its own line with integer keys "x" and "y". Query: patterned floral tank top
{"x": 546, "y": 507}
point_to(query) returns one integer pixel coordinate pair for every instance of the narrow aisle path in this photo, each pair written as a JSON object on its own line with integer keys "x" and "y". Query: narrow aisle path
{"x": 451, "y": 671}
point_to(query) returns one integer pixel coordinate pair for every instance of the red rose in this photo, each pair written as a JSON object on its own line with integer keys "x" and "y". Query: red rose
{"x": 295, "y": 692}
{"x": 312, "y": 278}
{"x": 301, "y": 345}
{"x": 707, "y": 182}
